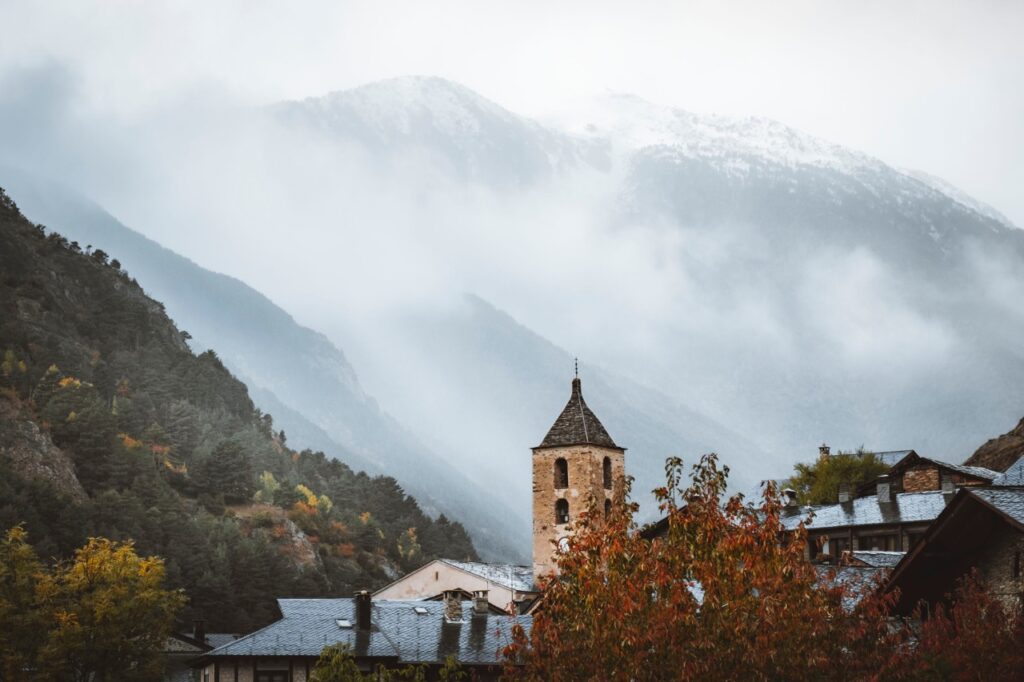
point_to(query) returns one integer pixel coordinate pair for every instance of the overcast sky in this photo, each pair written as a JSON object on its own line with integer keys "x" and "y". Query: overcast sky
{"x": 937, "y": 86}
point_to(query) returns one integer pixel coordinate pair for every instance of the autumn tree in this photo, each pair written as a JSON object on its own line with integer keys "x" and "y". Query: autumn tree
{"x": 22, "y": 623}
{"x": 818, "y": 482}
{"x": 973, "y": 637}
{"x": 103, "y": 616}
{"x": 725, "y": 594}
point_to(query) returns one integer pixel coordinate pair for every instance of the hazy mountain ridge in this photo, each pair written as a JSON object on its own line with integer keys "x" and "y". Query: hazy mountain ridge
{"x": 478, "y": 138}
{"x": 112, "y": 427}
{"x": 286, "y": 364}
{"x": 778, "y": 221}
{"x": 514, "y": 383}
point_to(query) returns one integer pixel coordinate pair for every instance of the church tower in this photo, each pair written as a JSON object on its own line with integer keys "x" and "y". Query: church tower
{"x": 576, "y": 460}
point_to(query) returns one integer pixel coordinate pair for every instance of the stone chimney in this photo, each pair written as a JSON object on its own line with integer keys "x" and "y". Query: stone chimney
{"x": 363, "y": 602}
{"x": 480, "y": 604}
{"x": 789, "y": 497}
{"x": 947, "y": 484}
{"x": 844, "y": 493}
{"x": 824, "y": 450}
{"x": 452, "y": 606}
{"x": 884, "y": 490}
{"x": 199, "y": 630}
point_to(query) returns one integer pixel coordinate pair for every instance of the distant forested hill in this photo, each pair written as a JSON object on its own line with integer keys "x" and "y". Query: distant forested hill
{"x": 110, "y": 425}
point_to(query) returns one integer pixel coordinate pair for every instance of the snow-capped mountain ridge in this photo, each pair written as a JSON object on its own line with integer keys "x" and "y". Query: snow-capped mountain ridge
{"x": 485, "y": 140}
{"x": 632, "y": 123}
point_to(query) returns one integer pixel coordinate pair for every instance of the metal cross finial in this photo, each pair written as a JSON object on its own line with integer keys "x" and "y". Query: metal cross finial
{"x": 576, "y": 367}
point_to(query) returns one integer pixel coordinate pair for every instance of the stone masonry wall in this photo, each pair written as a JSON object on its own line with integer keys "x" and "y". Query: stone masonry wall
{"x": 586, "y": 479}
{"x": 996, "y": 565}
{"x": 921, "y": 478}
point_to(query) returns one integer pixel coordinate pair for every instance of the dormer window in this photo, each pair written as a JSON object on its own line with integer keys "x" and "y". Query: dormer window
{"x": 561, "y": 473}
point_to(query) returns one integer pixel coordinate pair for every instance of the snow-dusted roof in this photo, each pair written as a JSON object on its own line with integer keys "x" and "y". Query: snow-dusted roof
{"x": 868, "y": 511}
{"x": 1012, "y": 476}
{"x": 409, "y": 632}
{"x": 512, "y": 576}
{"x": 878, "y": 559}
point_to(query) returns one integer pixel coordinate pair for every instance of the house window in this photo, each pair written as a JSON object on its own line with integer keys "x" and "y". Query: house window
{"x": 561, "y": 473}
{"x": 607, "y": 508}
{"x": 879, "y": 543}
{"x": 607, "y": 473}
{"x": 561, "y": 511}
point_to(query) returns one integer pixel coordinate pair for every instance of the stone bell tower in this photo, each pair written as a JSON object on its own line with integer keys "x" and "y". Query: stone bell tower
{"x": 576, "y": 460}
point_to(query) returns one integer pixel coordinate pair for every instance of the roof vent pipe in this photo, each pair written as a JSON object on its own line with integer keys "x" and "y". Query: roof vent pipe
{"x": 947, "y": 484}
{"x": 363, "y": 610}
{"x": 884, "y": 490}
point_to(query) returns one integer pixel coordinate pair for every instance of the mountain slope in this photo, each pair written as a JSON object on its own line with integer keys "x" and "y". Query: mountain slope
{"x": 286, "y": 365}
{"x": 1001, "y": 452}
{"x": 112, "y": 426}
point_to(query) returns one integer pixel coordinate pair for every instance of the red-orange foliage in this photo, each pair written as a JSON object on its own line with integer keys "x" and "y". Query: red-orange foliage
{"x": 977, "y": 637}
{"x": 728, "y": 595}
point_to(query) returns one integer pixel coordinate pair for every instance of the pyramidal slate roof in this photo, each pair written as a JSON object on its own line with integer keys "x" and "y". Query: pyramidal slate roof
{"x": 577, "y": 425}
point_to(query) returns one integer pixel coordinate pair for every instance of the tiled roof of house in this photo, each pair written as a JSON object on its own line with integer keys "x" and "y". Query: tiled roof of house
{"x": 878, "y": 559}
{"x": 858, "y": 581}
{"x": 216, "y": 639}
{"x": 977, "y": 472}
{"x": 403, "y": 631}
{"x": 512, "y": 576}
{"x": 577, "y": 425}
{"x": 1009, "y": 501}
{"x": 1012, "y": 476}
{"x": 868, "y": 511}
{"x": 890, "y": 457}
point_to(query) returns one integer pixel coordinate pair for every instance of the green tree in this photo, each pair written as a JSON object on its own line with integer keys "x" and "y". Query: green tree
{"x": 818, "y": 482}
{"x": 229, "y": 473}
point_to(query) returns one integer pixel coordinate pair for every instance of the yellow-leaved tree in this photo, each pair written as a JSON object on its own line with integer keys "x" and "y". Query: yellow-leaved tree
{"x": 102, "y": 616}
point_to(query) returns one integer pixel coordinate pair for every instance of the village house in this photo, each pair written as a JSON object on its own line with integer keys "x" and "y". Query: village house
{"x": 982, "y": 528}
{"x": 509, "y": 587}
{"x": 393, "y": 634}
{"x": 889, "y": 514}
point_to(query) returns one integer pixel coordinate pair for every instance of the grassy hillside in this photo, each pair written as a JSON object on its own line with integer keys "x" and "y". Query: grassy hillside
{"x": 111, "y": 426}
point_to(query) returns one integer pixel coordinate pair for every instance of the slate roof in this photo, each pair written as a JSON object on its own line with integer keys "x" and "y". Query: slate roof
{"x": 216, "y": 639}
{"x": 890, "y": 457}
{"x": 577, "y": 425}
{"x": 877, "y": 559}
{"x": 976, "y": 472}
{"x": 512, "y": 576}
{"x": 858, "y": 581}
{"x": 1012, "y": 476}
{"x": 398, "y": 632}
{"x": 867, "y": 511}
{"x": 1009, "y": 501}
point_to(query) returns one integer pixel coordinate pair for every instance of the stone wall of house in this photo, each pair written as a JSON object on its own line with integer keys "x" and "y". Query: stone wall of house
{"x": 919, "y": 478}
{"x": 996, "y": 565}
{"x": 586, "y": 479}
